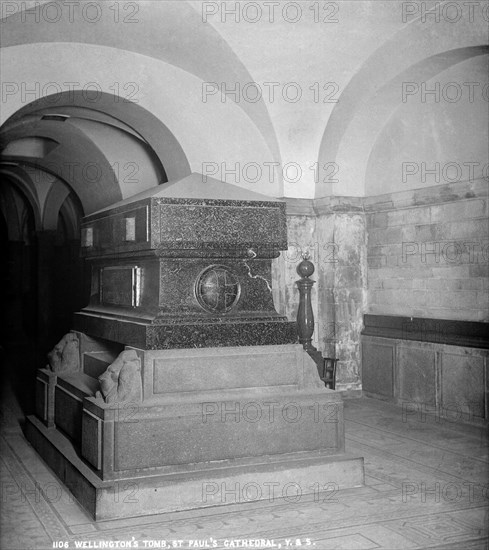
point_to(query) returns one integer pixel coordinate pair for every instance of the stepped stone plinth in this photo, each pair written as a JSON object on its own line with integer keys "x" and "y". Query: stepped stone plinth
{"x": 181, "y": 386}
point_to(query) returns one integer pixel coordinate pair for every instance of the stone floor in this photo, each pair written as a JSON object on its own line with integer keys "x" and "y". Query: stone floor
{"x": 426, "y": 487}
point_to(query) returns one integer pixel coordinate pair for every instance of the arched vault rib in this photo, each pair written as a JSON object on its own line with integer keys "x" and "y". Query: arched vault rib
{"x": 196, "y": 48}
{"x": 417, "y": 52}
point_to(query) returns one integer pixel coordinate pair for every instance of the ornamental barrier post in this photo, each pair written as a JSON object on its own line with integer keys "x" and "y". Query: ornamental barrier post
{"x": 305, "y": 323}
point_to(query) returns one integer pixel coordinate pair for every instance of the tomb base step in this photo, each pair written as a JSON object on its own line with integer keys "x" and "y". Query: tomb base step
{"x": 291, "y": 477}
{"x": 149, "y": 335}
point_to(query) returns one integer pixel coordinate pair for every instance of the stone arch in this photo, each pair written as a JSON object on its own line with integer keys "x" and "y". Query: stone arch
{"x": 375, "y": 92}
{"x": 159, "y": 36}
{"x": 57, "y": 195}
{"x": 124, "y": 114}
{"x": 21, "y": 183}
{"x": 71, "y": 162}
{"x": 74, "y": 126}
{"x": 70, "y": 211}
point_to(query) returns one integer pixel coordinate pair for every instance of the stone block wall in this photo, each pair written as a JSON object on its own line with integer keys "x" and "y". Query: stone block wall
{"x": 419, "y": 253}
{"x": 428, "y": 252}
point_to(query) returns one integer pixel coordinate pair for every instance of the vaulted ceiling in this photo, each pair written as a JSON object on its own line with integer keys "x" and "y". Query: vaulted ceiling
{"x": 289, "y": 103}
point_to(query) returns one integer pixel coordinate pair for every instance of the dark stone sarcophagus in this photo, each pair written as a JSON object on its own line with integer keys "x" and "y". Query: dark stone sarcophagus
{"x": 120, "y": 411}
{"x": 185, "y": 265}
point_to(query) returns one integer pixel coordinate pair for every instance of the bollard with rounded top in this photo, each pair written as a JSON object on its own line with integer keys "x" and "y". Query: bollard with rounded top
{"x": 305, "y": 315}
{"x": 305, "y": 323}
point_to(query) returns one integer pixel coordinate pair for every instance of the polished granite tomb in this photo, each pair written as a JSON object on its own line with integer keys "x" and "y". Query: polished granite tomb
{"x": 171, "y": 269}
{"x": 180, "y": 386}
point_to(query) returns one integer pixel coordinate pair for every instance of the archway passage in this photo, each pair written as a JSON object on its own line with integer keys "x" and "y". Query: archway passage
{"x": 19, "y": 313}
{"x": 61, "y": 158}
{"x": 105, "y": 150}
{"x": 18, "y": 229}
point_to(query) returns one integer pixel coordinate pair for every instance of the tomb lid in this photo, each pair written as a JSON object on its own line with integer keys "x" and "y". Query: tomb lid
{"x": 193, "y": 187}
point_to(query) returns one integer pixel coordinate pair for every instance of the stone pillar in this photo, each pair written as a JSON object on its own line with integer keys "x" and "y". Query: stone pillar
{"x": 342, "y": 284}
{"x": 325, "y": 274}
{"x": 350, "y": 295}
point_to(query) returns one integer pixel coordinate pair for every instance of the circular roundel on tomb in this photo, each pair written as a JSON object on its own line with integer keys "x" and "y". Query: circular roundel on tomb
{"x": 217, "y": 289}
